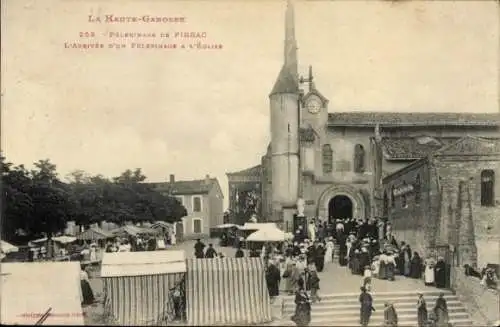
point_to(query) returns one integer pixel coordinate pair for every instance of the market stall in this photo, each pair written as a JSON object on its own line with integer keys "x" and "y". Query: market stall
{"x": 227, "y": 291}
{"x": 137, "y": 285}
{"x": 249, "y": 228}
{"x": 227, "y": 234}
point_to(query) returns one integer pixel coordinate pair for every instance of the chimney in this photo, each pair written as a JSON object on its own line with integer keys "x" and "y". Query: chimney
{"x": 207, "y": 178}
{"x": 172, "y": 178}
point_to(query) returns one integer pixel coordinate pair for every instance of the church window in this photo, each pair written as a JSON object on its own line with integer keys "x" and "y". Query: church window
{"x": 393, "y": 197}
{"x": 385, "y": 211}
{"x": 417, "y": 188}
{"x": 487, "y": 188}
{"x": 404, "y": 203}
{"x": 327, "y": 159}
{"x": 359, "y": 158}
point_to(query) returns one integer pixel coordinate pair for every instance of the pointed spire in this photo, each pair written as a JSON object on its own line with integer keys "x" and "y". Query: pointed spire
{"x": 290, "y": 41}
{"x": 311, "y": 80}
{"x": 288, "y": 78}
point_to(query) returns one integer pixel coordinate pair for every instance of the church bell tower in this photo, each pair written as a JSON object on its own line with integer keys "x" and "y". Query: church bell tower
{"x": 284, "y": 107}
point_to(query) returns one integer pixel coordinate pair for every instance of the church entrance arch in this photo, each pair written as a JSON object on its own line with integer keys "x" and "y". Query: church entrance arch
{"x": 339, "y": 207}
{"x": 341, "y": 200}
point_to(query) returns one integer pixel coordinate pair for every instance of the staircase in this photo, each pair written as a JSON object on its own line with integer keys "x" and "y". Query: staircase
{"x": 343, "y": 309}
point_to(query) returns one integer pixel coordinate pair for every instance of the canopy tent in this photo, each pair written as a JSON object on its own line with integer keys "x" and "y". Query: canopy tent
{"x": 94, "y": 234}
{"x": 137, "y": 285}
{"x": 225, "y": 226}
{"x": 227, "y": 291}
{"x": 30, "y": 289}
{"x": 162, "y": 227}
{"x": 132, "y": 230}
{"x": 7, "y": 247}
{"x": 64, "y": 239}
{"x": 256, "y": 226}
{"x": 269, "y": 234}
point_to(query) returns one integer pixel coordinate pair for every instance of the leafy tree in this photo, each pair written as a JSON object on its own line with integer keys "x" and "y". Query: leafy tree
{"x": 37, "y": 203}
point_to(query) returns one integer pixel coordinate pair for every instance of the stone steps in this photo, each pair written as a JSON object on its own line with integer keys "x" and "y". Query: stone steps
{"x": 343, "y": 309}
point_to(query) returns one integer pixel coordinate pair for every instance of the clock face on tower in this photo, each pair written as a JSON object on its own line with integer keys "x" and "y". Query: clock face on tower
{"x": 313, "y": 105}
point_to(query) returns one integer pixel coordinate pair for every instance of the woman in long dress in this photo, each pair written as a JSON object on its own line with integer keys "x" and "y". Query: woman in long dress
{"x": 390, "y": 266}
{"x": 441, "y": 311}
{"x": 329, "y": 251}
{"x": 88, "y": 295}
{"x": 421, "y": 311}
{"x": 302, "y": 315}
{"x": 429, "y": 272}
{"x": 382, "y": 265}
{"x": 416, "y": 266}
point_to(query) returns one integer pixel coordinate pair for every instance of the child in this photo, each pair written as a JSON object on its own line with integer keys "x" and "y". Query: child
{"x": 313, "y": 282}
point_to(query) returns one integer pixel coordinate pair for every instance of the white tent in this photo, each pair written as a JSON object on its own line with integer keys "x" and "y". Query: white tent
{"x": 29, "y": 290}
{"x": 224, "y": 226}
{"x": 64, "y": 239}
{"x": 257, "y": 226}
{"x": 7, "y": 247}
{"x": 137, "y": 285}
{"x": 268, "y": 234}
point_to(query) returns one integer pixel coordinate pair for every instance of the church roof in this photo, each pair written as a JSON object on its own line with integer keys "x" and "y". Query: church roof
{"x": 412, "y": 148}
{"x": 286, "y": 82}
{"x": 253, "y": 171}
{"x": 471, "y": 145}
{"x": 387, "y": 119}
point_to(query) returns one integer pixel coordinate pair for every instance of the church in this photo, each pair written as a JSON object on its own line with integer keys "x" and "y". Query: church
{"x": 343, "y": 164}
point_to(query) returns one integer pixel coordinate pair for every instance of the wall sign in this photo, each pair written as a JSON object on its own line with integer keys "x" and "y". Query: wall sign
{"x": 404, "y": 189}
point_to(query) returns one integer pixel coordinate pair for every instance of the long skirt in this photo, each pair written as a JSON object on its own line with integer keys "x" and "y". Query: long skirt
{"x": 422, "y": 317}
{"x": 302, "y": 315}
{"x": 382, "y": 271}
{"x": 329, "y": 255}
{"x": 88, "y": 295}
{"x": 407, "y": 268}
{"x": 364, "y": 315}
{"x": 429, "y": 275}
{"x": 389, "y": 271}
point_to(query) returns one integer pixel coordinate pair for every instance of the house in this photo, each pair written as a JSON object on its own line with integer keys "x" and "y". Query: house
{"x": 203, "y": 200}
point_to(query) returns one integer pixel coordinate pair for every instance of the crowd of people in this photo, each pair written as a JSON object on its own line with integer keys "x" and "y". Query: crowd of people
{"x": 367, "y": 248}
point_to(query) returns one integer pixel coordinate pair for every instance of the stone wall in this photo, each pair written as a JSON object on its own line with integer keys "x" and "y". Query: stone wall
{"x": 481, "y": 303}
{"x": 413, "y": 222}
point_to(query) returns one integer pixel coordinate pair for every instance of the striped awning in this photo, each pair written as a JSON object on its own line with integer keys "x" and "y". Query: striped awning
{"x": 227, "y": 291}
{"x": 140, "y": 300}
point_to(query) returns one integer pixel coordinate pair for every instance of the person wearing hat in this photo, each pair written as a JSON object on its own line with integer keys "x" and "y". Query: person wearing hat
{"x": 441, "y": 311}
{"x": 441, "y": 274}
{"x": 421, "y": 310}
{"x": 273, "y": 278}
{"x": 302, "y": 316}
{"x": 313, "y": 284}
{"x": 390, "y": 315}
{"x": 365, "y": 312}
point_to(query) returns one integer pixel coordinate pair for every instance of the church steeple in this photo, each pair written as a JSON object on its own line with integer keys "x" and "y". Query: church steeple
{"x": 288, "y": 78}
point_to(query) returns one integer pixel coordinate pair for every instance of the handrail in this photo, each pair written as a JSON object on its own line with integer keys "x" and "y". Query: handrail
{"x": 43, "y": 317}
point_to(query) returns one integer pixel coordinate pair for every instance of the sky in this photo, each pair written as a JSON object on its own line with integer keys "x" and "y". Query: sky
{"x": 197, "y": 112}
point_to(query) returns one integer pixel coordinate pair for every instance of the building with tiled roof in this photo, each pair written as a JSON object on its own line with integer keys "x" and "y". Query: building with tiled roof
{"x": 203, "y": 200}
{"x": 336, "y": 162}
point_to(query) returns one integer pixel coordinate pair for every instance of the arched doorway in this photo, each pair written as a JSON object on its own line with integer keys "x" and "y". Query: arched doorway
{"x": 340, "y": 207}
